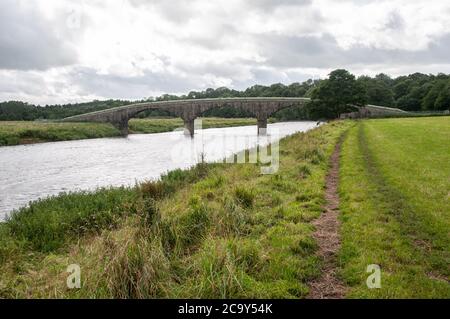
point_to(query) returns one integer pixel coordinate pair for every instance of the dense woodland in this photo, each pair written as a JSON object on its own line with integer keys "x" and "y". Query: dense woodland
{"x": 415, "y": 92}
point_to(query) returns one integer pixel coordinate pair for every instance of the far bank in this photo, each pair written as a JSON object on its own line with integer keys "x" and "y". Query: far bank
{"x": 30, "y": 132}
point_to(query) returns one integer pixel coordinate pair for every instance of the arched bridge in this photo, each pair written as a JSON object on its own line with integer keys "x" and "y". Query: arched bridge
{"x": 189, "y": 110}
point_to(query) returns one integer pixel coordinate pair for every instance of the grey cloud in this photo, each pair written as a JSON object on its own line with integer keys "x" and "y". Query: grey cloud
{"x": 177, "y": 12}
{"x": 395, "y": 21}
{"x": 137, "y": 87}
{"x": 324, "y": 52}
{"x": 284, "y": 54}
{"x": 270, "y": 5}
{"x": 227, "y": 70}
{"x": 27, "y": 41}
{"x": 218, "y": 37}
{"x": 22, "y": 82}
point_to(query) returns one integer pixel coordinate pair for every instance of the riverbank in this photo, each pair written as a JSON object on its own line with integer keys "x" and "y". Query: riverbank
{"x": 214, "y": 231}
{"x": 170, "y": 124}
{"x": 23, "y": 132}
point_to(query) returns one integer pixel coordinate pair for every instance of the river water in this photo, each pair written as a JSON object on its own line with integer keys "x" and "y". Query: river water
{"x": 30, "y": 172}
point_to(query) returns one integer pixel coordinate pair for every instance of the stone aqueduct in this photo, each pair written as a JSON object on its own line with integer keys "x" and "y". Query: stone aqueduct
{"x": 260, "y": 107}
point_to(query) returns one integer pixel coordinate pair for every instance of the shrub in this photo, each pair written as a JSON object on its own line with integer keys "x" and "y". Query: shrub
{"x": 154, "y": 189}
{"x": 177, "y": 176}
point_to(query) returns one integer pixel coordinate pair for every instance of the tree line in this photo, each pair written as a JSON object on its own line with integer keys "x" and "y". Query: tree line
{"x": 331, "y": 97}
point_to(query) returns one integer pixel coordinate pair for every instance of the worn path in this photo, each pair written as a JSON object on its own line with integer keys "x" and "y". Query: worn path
{"x": 328, "y": 285}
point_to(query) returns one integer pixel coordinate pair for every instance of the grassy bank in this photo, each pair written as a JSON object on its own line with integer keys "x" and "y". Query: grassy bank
{"x": 395, "y": 207}
{"x": 170, "y": 124}
{"x": 22, "y": 132}
{"x": 214, "y": 231}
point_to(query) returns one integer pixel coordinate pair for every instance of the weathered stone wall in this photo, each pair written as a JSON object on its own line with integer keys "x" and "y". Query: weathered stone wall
{"x": 372, "y": 111}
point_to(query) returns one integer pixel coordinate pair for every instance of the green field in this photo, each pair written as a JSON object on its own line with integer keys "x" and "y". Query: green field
{"x": 226, "y": 231}
{"x": 27, "y": 132}
{"x": 395, "y": 183}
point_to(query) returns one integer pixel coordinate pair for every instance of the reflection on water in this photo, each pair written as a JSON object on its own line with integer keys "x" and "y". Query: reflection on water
{"x": 29, "y": 172}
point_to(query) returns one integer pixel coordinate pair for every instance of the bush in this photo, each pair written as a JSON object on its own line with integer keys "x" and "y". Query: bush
{"x": 154, "y": 189}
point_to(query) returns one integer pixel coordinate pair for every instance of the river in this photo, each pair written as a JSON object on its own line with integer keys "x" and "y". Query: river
{"x": 30, "y": 172}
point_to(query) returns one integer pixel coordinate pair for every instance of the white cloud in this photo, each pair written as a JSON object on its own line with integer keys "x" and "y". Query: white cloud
{"x": 57, "y": 51}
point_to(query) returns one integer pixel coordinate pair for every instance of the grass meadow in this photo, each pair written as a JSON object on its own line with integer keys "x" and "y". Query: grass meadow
{"x": 395, "y": 204}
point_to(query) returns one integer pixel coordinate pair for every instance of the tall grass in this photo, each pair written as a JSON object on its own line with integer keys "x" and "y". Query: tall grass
{"x": 47, "y": 224}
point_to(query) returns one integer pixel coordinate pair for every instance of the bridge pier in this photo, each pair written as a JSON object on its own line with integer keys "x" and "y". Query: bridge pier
{"x": 189, "y": 127}
{"x": 262, "y": 126}
{"x": 122, "y": 126}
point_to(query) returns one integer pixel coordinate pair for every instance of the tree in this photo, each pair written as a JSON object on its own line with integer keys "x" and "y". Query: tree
{"x": 337, "y": 95}
{"x": 378, "y": 90}
{"x": 413, "y": 100}
{"x": 429, "y": 101}
{"x": 443, "y": 100}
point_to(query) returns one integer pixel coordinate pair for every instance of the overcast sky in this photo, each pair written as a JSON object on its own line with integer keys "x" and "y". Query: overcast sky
{"x": 59, "y": 51}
